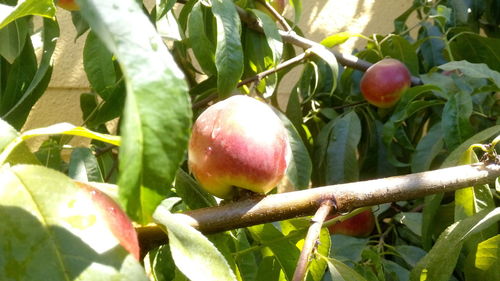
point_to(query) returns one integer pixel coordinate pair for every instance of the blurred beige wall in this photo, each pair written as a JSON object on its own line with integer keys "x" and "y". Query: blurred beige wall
{"x": 320, "y": 19}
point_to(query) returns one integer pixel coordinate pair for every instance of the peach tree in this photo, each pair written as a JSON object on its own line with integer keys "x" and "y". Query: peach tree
{"x": 410, "y": 186}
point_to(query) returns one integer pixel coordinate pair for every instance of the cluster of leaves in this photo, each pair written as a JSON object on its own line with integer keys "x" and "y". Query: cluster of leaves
{"x": 336, "y": 137}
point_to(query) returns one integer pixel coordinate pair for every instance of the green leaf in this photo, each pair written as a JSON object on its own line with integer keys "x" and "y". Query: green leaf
{"x": 427, "y": 149}
{"x": 338, "y": 38}
{"x": 285, "y": 252}
{"x": 412, "y": 220}
{"x": 58, "y": 129}
{"x": 399, "y": 48}
{"x": 476, "y": 49}
{"x": 439, "y": 263}
{"x": 347, "y": 248}
{"x": 7, "y": 134}
{"x": 483, "y": 264}
{"x": 410, "y": 254}
{"x": 300, "y": 166}
{"x": 297, "y": 9}
{"x": 272, "y": 35}
{"x": 317, "y": 265}
{"x": 341, "y": 163}
{"x": 455, "y": 156}
{"x": 432, "y": 46}
{"x": 203, "y": 48}
{"x": 245, "y": 259}
{"x": 20, "y": 74}
{"x": 98, "y": 65}
{"x": 157, "y": 114}
{"x": 455, "y": 119}
{"x": 83, "y": 166}
{"x": 21, "y": 154}
{"x": 330, "y": 60}
{"x": 192, "y": 252}
{"x": 44, "y": 8}
{"x": 18, "y": 113}
{"x": 52, "y": 230}
{"x": 191, "y": 193}
{"x": 49, "y": 154}
{"x": 341, "y": 272}
{"x": 473, "y": 70}
{"x": 13, "y": 37}
{"x": 229, "y": 52}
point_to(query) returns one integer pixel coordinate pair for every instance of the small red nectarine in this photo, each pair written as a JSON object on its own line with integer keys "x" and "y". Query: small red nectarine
{"x": 238, "y": 142}
{"x": 361, "y": 225}
{"x": 384, "y": 82}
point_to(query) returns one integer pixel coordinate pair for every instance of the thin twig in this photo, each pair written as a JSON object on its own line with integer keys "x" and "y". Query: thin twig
{"x": 277, "y": 15}
{"x": 261, "y": 75}
{"x": 311, "y": 239}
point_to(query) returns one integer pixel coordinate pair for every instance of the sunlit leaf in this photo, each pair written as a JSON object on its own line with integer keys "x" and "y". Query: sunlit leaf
{"x": 157, "y": 114}
{"x": 53, "y": 230}
{"x": 193, "y": 253}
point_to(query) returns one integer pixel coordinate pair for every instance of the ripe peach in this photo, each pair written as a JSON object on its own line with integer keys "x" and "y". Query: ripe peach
{"x": 361, "y": 225}
{"x": 238, "y": 142}
{"x": 384, "y": 82}
{"x": 117, "y": 221}
{"x": 69, "y": 5}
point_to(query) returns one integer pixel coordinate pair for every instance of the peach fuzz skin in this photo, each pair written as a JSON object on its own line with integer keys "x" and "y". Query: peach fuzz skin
{"x": 238, "y": 142}
{"x": 361, "y": 225}
{"x": 384, "y": 82}
{"x": 69, "y": 5}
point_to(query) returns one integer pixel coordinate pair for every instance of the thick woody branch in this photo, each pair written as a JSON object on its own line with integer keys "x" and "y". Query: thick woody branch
{"x": 346, "y": 197}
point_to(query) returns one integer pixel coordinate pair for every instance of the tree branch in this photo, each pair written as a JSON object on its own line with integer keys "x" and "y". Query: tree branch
{"x": 346, "y": 197}
{"x": 311, "y": 238}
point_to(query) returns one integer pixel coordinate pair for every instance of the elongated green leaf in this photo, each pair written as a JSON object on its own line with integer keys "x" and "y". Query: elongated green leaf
{"x": 454, "y": 158}
{"x": 427, "y": 149}
{"x": 412, "y": 220}
{"x": 399, "y": 48}
{"x": 341, "y": 164}
{"x": 330, "y": 60}
{"x": 203, "y": 48}
{"x": 439, "y": 263}
{"x": 193, "y": 253}
{"x": 483, "y": 264}
{"x": 300, "y": 166}
{"x": 285, "y": 252}
{"x": 58, "y": 129}
{"x": 49, "y": 154}
{"x": 83, "y": 166}
{"x": 44, "y": 8}
{"x": 476, "y": 49}
{"x": 13, "y": 37}
{"x": 410, "y": 254}
{"x": 229, "y": 52}
{"x": 473, "y": 70}
{"x": 455, "y": 119}
{"x": 432, "y": 47}
{"x": 19, "y": 76}
{"x": 246, "y": 261}
{"x": 342, "y": 272}
{"x": 272, "y": 35}
{"x": 18, "y": 113}
{"x": 98, "y": 65}
{"x": 338, "y": 38}
{"x": 53, "y": 230}
{"x": 157, "y": 115}
{"x": 191, "y": 193}
{"x": 7, "y": 134}
{"x": 297, "y": 9}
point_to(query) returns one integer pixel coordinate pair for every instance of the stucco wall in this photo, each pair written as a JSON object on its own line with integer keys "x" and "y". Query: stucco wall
{"x": 320, "y": 19}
